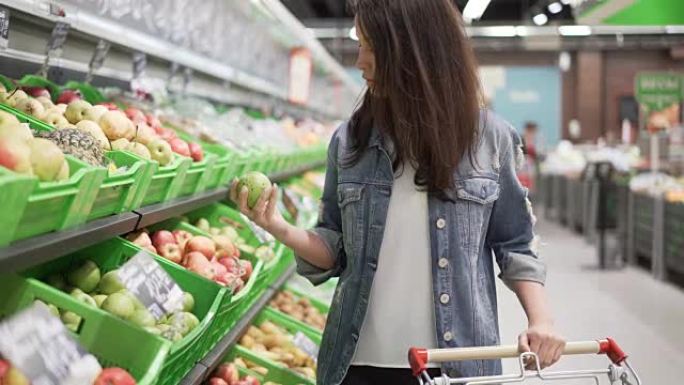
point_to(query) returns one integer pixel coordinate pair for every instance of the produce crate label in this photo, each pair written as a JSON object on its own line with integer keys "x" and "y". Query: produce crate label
{"x": 306, "y": 345}
{"x": 100, "y": 54}
{"x": 139, "y": 64}
{"x": 57, "y": 38}
{"x": 39, "y": 346}
{"x": 146, "y": 280}
{"x": 4, "y": 27}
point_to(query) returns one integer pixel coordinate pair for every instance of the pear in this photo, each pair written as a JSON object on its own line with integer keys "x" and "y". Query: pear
{"x": 46, "y": 159}
{"x": 55, "y": 119}
{"x": 31, "y": 107}
{"x": 76, "y": 110}
{"x": 95, "y": 113}
{"x": 46, "y": 102}
{"x": 95, "y": 130}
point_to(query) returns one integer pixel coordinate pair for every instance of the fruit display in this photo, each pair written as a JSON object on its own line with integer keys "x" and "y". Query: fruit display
{"x": 215, "y": 258}
{"x": 299, "y": 308}
{"x": 275, "y": 343}
{"x": 88, "y": 285}
{"x": 86, "y": 374}
{"x": 24, "y": 154}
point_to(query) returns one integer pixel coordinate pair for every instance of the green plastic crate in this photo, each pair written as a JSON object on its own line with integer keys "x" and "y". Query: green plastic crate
{"x": 197, "y": 176}
{"x": 114, "y": 342}
{"x": 14, "y": 193}
{"x": 275, "y": 373}
{"x": 39, "y": 81}
{"x": 118, "y": 192}
{"x": 227, "y": 313}
{"x": 320, "y": 306}
{"x": 224, "y": 169}
{"x": 91, "y": 94}
{"x": 165, "y": 182}
{"x": 109, "y": 255}
{"x": 275, "y": 317}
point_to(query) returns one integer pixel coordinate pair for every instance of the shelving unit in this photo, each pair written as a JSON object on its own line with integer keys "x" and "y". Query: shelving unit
{"x": 36, "y": 250}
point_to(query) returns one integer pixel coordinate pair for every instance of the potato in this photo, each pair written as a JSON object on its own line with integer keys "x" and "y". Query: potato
{"x": 247, "y": 341}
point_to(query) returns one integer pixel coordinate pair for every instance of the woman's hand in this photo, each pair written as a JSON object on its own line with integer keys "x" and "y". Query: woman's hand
{"x": 265, "y": 212}
{"x": 545, "y": 342}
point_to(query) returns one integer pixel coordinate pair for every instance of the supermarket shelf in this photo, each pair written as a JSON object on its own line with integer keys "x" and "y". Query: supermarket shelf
{"x": 150, "y": 215}
{"x": 285, "y": 175}
{"x": 36, "y": 250}
{"x": 213, "y": 358}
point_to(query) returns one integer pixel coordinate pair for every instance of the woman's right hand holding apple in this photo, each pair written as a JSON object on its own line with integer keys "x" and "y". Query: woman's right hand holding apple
{"x": 265, "y": 212}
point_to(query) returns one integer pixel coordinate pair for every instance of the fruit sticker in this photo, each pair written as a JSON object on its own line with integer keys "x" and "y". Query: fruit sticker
{"x": 41, "y": 348}
{"x": 151, "y": 285}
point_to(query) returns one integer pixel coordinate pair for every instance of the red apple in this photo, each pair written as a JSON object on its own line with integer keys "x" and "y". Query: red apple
{"x": 152, "y": 121}
{"x": 166, "y": 134}
{"x": 224, "y": 243}
{"x": 135, "y": 115}
{"x": 251, "y": 380}
{"x": 202, "y": 244}
{"x": 68, "y": 96}
{"x": 182, "y": 237}
{"x": 246, "y": 266}
{"x": 196, "y": 152}
{"x": 4, "y": 368}
{"x": 114, "y": 376}
{"x": 140, "y": 238}
{"x": 228, "y": 372}
{"x": 171, "y": 251}
{"x": 179, "y": 146}
{"x": 151, "y": 249}
{"x": 198, "y": 263}
{"x": 218, "y": 268}
{"x": 227, "y": 279}
{"x": 218, "y": 381}
{"x": 110, "y": 106}
{"x": 37, "y": 92}
{"x": 162, "y": 237}
{"x": 232, "y": 264}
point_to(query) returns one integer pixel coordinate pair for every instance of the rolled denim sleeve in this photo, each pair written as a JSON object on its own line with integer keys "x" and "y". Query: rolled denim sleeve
{"x": 511, "y": 228}
{"x": 329, "y": 224}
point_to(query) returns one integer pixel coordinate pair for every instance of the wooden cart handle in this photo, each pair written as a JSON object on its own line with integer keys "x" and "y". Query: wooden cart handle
{"x": 418, "y": 358}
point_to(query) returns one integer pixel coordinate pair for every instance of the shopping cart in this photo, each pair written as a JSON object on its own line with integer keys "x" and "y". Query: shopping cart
{"x": 619, "y": 372}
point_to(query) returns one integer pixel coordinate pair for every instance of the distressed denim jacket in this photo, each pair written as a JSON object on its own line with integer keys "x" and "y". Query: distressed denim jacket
{"x": 486, "y": 212}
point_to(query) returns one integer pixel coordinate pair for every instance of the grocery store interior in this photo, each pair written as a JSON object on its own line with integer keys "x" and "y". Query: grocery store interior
{"x": 124, "y": 123}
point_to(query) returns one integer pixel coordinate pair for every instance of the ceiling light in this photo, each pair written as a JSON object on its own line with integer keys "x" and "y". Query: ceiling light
{"x": 555, "y": 7}
{"x": 475, "y": 9}
{"x": 521, "y": 31}
{"x": 566, "y": 2}
{"x": 540, "y": 19}
{"x": 353, "y": 35}
{"x": 574, "y": 30}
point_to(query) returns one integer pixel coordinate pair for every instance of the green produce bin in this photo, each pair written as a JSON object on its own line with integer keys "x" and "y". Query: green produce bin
{"x": 165, "y": 182}
{"x": 91, "y": 94}
{"x": 109, "y": 255}
{"x": 119, "y": 191}
{"x": 227, "y": 313}
{"x": 293, "y": 328}
{"x": 15, "y": 190}
{"x": 275, "y": 373}
{"x": 39, "y": 81}
{"x": 197, "y": 176}
{"x": 114, "y": 342}
{"x": 225, "y": 167}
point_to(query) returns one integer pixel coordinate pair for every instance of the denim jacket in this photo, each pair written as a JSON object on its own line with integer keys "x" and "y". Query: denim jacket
{"x": 487, "y": 211}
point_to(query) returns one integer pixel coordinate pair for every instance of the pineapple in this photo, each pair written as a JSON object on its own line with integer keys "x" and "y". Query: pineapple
{"x": 77, "y": 143}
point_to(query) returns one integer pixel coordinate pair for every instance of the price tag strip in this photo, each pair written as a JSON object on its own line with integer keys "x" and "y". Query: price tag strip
{"x": 99, "y": 56}
{"x": 54, "y": 46}
{"x": 39, "y": 346}
{"x": 153, "y": 286}
{"x": 4, "y": 27}
{"x": 306, "y": 345}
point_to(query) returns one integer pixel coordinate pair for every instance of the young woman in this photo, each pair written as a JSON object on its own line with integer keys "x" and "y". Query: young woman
{"x": 420, "y": 191}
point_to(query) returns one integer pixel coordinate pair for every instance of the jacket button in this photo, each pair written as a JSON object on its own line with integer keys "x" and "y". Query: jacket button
{"x": 444, "y": 298}
{"x": 443, "y": 263}
{"x": 441, "y": 223}
{"x": 448, "y": 336}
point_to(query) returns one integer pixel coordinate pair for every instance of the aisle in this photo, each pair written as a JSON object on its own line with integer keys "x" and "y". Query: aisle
{"x": 644, "y": 316}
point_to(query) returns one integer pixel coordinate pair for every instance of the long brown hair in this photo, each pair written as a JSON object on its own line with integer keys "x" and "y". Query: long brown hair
{"x": 426, "y": 96}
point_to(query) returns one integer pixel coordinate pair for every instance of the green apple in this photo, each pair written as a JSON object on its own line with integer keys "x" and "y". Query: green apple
{"x": 99, "y": 299}
{"x": 69, "y": 317}
{"x": 184, "y": 322}
{"x": 142, "y": 318}
{"x": 53, "y": 309}
{"x": 85, "y": 277}
{"x": 153, "y": 330}
{"x": 83, "y": 297}
{"x": 163, "y": 327}
{"x": 120, "y": 305}
{"x": 46, "y": 159}
{"x": 76, "y": 111}
{"x": 256, "y": 183}
{"x": 172, "y": 335}
{"x": 136, "y": 302}
{"x": 120, "y": 144}
{"x": 160, "y": 150}
{"x": 230, "y": 232}
{"x": 110, "y": 283}
{"x": 188, "y": 301}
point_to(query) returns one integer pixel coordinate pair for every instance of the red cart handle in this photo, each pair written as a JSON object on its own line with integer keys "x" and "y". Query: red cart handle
{"x": 419, "y": 358}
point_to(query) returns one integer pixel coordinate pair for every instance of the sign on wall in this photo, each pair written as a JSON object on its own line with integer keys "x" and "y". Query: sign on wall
{"x": 660, "y": 95}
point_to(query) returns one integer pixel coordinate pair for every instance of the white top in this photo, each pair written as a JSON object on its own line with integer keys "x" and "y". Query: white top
{"x": 401, "y": 308}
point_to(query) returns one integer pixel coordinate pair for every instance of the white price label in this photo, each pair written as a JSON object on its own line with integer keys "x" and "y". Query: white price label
{"x": 39, "y": 346}
{"x": 306, "y": 345}
{"x": 153, "y": 286}
{"x": 4, "y": 27}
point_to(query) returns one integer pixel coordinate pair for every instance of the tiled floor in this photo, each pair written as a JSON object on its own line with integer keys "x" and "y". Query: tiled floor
{"x": 645, "y": 316}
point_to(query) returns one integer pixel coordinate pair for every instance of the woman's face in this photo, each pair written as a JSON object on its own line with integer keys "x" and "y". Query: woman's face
{"x": 366, "y": 59}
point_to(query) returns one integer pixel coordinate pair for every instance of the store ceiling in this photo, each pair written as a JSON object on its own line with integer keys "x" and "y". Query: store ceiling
{"x": 498, "y": 11}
